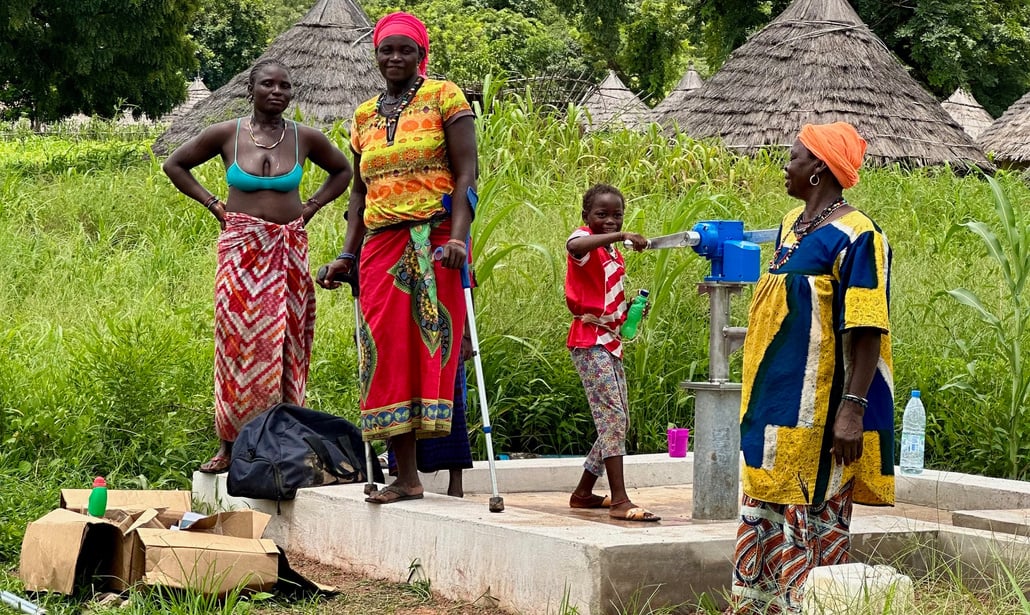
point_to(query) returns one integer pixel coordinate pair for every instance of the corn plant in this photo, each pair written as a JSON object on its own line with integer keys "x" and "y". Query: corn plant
{"x": 1010, "y": 252}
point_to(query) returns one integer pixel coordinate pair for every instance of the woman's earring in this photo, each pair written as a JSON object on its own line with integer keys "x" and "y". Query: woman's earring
{"x": 814, "y": 179}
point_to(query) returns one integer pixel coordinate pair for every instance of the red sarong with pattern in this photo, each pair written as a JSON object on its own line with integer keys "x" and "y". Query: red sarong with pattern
{"x": 264, "y": 319}
{"x": 408, "y": 351}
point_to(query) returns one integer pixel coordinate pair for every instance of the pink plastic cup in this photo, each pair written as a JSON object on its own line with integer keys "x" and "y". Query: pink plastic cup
{"x": 679, "y": 437}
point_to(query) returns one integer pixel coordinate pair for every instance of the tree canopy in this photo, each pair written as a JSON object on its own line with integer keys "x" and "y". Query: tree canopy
{"x": 94, "y": 56}
{"x": 97, "y": 56}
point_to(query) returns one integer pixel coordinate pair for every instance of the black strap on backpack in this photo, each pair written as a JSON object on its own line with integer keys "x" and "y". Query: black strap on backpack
{"x": 322, "y": 452}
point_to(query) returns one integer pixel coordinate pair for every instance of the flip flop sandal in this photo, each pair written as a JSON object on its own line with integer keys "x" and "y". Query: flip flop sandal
{"x": 591, "y": 501}
{"x": 217, "y": 465}
{"x": 637, "y": 514}
{"x": 401, "y": 496}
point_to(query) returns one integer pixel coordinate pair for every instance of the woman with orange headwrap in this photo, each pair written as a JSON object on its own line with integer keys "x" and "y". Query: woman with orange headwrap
{"x": 414, "y": 166}
{"x": 817, "y": 407}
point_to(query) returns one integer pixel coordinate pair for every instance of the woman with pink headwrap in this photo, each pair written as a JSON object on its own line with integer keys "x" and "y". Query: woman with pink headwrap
{"x": 817, "y": 406}
{"x": 409, "y": 215}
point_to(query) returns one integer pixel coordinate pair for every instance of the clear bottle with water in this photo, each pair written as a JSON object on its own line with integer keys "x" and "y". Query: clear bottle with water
{"x": 913, "y": 435}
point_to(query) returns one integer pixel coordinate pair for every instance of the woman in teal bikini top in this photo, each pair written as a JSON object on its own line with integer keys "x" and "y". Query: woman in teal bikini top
{"x": 245, "y": 182}
{"x": 263, "y": 272}
{"x": 266, "y": 196}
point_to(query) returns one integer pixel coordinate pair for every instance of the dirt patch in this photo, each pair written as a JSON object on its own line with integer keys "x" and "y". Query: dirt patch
{"x": 358, "y": 595}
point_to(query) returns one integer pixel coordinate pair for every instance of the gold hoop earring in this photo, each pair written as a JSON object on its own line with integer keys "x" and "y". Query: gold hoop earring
{"x": 814, "y": 180}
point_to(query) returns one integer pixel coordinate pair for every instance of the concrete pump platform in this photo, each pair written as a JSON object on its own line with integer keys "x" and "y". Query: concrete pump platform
{"x": 525, "y": 559}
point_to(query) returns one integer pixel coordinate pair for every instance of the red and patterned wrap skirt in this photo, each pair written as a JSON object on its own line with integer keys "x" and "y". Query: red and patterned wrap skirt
{"x": 413, "y": 312}
{"x": 264, "y": 319}
{"x": 779, "y": 544}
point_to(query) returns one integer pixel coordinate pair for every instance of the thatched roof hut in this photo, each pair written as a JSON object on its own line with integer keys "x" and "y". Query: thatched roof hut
{"x": 195, "y": 92}
{"x": 691, "y": 81}
{"x": 612, "y": 105}
{"x": 1009, "y": 136}
{"x": 967, "y": 112}
{"x": 816, "y": 63}
{"x": 329, "y": 52}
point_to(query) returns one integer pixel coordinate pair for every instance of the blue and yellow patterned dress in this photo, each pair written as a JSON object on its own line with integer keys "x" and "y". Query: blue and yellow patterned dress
{"x": 795, "y": 367}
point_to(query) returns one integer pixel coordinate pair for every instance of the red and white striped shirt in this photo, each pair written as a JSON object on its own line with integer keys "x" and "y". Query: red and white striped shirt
{"x": 595, "y": 296}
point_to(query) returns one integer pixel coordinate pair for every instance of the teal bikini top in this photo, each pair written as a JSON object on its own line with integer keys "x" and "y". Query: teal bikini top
{"x": 245, "y": 182}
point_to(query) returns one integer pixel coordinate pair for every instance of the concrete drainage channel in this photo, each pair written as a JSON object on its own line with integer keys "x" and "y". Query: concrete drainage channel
{"x": 528, "y": 556}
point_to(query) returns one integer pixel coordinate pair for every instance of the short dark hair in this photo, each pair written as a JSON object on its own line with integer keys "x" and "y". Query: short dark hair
{"x": 597, "y": 190}
{"x": 254, "y": 70}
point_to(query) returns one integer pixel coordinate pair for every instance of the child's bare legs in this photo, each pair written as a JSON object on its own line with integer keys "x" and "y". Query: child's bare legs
{"x": 616, "y": 482}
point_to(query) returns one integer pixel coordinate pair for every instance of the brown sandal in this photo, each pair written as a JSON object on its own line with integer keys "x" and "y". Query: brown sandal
{"x": 636, "y": 513}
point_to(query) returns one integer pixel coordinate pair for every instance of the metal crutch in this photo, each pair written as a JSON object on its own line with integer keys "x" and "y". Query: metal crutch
{"x": 352, "y": 280}
{"x": 496, "y": 501}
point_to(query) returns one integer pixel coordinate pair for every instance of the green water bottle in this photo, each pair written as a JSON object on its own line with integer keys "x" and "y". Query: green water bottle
{"x": 635, "y": 315}
{"x": 98, "y": 498}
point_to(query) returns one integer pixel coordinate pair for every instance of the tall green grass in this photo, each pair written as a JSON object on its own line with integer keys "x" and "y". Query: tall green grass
{"x": 106, "y": 300}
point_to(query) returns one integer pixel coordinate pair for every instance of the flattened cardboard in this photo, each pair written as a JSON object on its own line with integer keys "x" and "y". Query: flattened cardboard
{"x": 210, "y": 563}
{"x": 127, "y": 499}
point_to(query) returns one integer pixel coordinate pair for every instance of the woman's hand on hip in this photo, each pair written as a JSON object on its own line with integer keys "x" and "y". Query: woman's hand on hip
{"x": 847, "y": 434}
{"x": 218, "y": 211}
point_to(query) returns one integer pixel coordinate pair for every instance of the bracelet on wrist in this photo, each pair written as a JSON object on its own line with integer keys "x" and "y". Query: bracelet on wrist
{"x": 313, "y": 201}
{"x": 344, "y": 255}
{"x": 456, "y": 242}
{"x": 861, "y": 401}
{"x": 210, "y": 202}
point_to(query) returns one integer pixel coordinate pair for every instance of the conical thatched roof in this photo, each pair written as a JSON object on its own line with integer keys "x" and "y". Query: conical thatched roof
{"x": 612, "y": 105}
{"x": 195, "y": 92}
{"x": 816, "y": 63}
{"x": 967, "y": 112}
{"x": 1009, "y": 136}
{"x": 329, "y": 53}
{"x": 679, "y": 94}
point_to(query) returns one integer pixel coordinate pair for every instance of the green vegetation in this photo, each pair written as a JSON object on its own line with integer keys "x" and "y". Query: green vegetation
{"x": 106, "y": 310}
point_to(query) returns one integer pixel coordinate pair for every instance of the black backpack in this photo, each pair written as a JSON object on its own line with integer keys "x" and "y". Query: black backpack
{"x": 289, "y": 447}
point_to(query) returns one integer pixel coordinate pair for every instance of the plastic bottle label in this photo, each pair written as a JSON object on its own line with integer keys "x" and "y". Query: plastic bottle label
{"x": 912, "y": 451}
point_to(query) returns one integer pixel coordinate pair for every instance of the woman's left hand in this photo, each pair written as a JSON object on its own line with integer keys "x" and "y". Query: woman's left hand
{"x": 454, "y": 254}
{"x": 847, "y": 434}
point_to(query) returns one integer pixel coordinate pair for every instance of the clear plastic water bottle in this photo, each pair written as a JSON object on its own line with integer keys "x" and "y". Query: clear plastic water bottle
{"x": 635, "y": 315}
{"x": 913, "y": 435}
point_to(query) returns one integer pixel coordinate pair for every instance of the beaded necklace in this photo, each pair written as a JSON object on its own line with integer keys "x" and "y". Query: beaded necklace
{"x": 802, "y": 229}
{"x": 250, "y": 129}
{"x": 393, "y": 118}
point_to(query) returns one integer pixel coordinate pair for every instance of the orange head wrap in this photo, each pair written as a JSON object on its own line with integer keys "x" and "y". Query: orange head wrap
{"x": 839, "y": 146}
{"x": 404, "y": 24}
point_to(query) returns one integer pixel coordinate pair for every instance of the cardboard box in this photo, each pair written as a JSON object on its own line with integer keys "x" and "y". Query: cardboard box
{"x": 210, "y": 563}
{"x": 128, "y": 500}
{"x": 65, "y": 549}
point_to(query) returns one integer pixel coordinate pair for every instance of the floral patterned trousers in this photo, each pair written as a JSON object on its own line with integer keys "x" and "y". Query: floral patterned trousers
{"x": 605, "y": 384}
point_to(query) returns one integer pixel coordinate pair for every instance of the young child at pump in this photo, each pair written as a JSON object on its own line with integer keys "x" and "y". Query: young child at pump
{"x": 595, "y": 296}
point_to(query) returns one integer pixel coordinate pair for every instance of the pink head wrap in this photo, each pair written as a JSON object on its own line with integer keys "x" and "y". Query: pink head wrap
{"x": 404, "y": 24}
{"x": 839, "y": 146}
